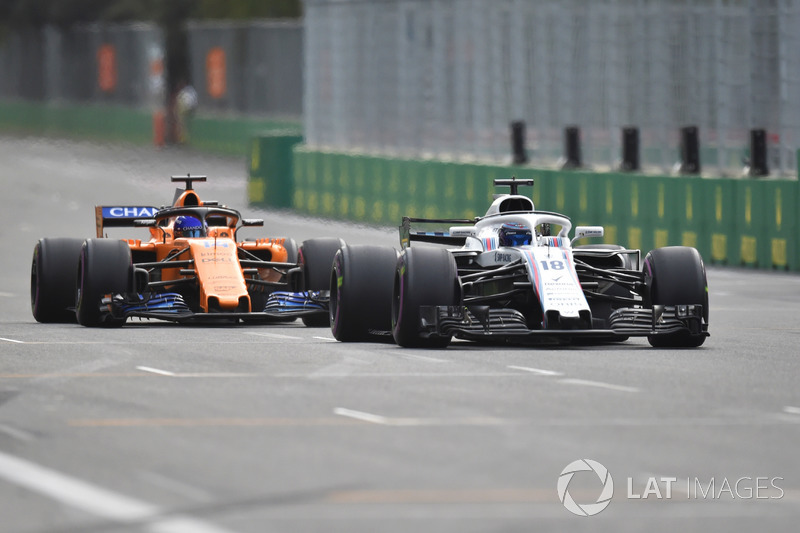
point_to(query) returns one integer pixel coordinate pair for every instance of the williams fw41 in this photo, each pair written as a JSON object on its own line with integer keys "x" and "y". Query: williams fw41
{"x": 192, "y": 268}
{"x": 515, "y": 276}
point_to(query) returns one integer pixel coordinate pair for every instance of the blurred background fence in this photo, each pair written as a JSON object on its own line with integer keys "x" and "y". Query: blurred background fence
{"x": 252, "y": 68}
{"x": 110, "y": 63}
{"x": 262, "y": 60}
{"x": 444, "y": 78}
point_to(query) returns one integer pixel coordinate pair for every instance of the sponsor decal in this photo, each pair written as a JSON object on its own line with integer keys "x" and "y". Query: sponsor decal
{"x": 129, "y": 212}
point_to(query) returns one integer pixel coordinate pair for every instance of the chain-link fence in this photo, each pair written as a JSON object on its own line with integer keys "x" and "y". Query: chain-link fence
{"x": 445, "y": 78}
{"x": 248, "y": 67}
{"x": 119, "y": 63}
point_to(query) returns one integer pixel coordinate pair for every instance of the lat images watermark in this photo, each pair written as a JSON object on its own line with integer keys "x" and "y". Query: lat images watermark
{"x": 661, "y": 488}
{"x": 586, "y": 509}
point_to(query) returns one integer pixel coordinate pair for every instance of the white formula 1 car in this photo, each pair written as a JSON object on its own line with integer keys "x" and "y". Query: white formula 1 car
{"x": 516, "y": 277}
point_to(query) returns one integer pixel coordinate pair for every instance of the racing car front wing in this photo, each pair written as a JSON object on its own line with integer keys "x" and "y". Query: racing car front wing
{"x": 479, "y": 322}
{"x": 172, "y": 307}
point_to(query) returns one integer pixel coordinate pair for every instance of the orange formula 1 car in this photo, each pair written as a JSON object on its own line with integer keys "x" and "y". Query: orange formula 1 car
{"x": 191, "y": 269}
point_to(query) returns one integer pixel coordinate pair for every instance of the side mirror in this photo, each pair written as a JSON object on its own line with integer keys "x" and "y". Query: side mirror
{"x": 587, "y": 231}
{"x": 252, "y": 222}
{"x": 144, "y": 223}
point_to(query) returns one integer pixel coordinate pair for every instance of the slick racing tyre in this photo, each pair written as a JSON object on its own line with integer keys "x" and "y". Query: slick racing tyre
{"x": 316, "y": 257}
{"x": 424, "y": 276}
{"x": 362, "y": 281}
{"x": 675, "y": 275}
{"x": 53, "y": 279}
{"x": 104, "y": 267}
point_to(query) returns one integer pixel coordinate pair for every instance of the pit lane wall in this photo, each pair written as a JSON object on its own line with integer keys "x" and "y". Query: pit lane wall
{"x": 742, "y": 222}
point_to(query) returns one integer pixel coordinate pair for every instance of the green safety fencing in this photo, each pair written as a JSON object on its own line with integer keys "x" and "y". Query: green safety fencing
{"x": 218, "y": 134}
{"x": 271, "y": 181}
{"x": 743, "y": 222}
{"x": 96, "y": 121}
{"x": 232, "y": 134}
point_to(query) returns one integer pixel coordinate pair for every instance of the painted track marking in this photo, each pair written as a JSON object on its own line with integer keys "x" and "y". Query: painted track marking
{"x": 538, "y": 371}
{"x": 96, "y": 500}
{"x": 420, "y": 421}
{"x": 155, "y": 371}
{"x": 598, "y": 384}
{"x": 12, "y": 340}
{"x": 273, "y": 335}
{"x": 194, "y": 374}
{"x": 361, "y": 415}
{"x": 18, "y": 434}
{"x": 424, "y": 358}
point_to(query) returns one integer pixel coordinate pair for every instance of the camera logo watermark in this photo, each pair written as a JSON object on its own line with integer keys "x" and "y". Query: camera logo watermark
{"x": 586, "y": 509}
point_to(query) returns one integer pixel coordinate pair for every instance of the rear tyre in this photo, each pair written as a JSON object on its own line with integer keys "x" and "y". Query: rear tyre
{"x": 104, "y": 267}
{"x": 362, "y": 281}
{"x": 316, "y": 258}
{"x": 423, "y": 276}
{"x": 53, "y": 280}
{"x": 675, "y": 275}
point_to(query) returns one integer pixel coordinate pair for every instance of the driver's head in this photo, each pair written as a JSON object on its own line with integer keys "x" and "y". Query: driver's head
{"x": 186, "y": 226}
{"x": 514, "y": 234}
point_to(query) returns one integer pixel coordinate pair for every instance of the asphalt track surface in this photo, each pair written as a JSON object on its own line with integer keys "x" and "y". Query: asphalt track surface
{"x": 157, "y": 427}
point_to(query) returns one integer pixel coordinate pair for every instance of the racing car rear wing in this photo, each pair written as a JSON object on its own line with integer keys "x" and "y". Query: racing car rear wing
{"x": 121, "y": 216}
{"x": 454, "y": 236}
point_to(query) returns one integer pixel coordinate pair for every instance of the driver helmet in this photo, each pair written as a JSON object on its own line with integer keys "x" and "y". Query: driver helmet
{"x": 514, "y": 234}
{"x": 186, "y": 226}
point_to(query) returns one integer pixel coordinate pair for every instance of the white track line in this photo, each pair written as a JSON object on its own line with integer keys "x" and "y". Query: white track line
{"x": 538, "y": 371}
{"x": 97, "y": 500}
{"x": 12, "y": 340}
{"x": 156, "y": 371}
{"x": 791, "y": 410}
{"x": 195, "y": 374}
{"x": 16, "y": 433}
{"x": 331, "y": 339}
{"x": 425, "y": 358}
{"x": 416, "y": 421}
{"x": 361, "y": 415}
{"x": 598, "y": 384}
{"x": 273, "y": 335}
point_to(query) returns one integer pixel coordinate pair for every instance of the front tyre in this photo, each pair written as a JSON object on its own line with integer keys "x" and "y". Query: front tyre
{"x": 362, "y": 281}
{"x": 423, "y": 277}
{"x": 53, "y": 273}
{"x": 675, "y": 275}
{"x": 316, "y": 257}
{"x": 104, "y": 267}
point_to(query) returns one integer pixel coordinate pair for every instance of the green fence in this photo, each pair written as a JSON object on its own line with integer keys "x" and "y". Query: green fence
{"x": 97, "y": 121}
{"x": 218, "y": 134}
{"x": 271, "y": 181}
{"x": 743, "y": 222}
